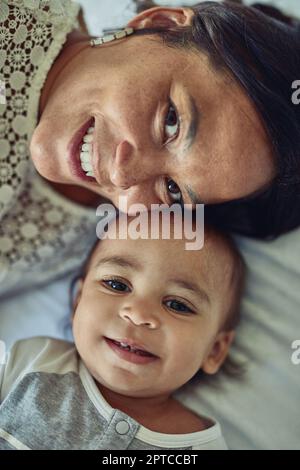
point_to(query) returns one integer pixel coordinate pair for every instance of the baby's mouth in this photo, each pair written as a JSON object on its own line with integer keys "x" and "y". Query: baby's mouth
{"x": 132, "y": 349}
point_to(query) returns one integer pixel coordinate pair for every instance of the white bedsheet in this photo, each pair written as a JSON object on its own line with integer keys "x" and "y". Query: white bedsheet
{"x": 261, "y": 411}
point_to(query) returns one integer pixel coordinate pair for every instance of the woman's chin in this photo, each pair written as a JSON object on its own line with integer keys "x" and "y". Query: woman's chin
{"x": 61, "y": 177}
{"x": 48, "y": 172}
{"x": 45, "y": 164}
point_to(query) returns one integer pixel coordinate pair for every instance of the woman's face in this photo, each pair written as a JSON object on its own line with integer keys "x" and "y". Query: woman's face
{"x": 167, "y": 126}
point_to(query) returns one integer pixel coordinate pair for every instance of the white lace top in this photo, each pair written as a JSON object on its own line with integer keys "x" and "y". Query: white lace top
{"x": 42, "y": 234}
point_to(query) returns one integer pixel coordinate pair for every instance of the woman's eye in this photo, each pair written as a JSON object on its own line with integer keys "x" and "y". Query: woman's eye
{"x": 178, "y": 306}
{"x": 171, "y": 123}
{"x": 173, "y": 190}
{"x": 116, "y": 285}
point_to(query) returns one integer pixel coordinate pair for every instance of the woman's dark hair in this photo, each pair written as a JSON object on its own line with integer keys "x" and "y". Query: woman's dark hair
{"x": 260, "y": 47}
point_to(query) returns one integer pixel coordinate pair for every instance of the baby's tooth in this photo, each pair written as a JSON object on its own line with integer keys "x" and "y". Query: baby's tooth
{"x": 90, "y": 173}
{"x": 86, "y": 147}
{"x": 86, "y": 166}
{"x": 88, "y": 138}
{"x": 90, "y": 130}
{"x": 85, "y": 157}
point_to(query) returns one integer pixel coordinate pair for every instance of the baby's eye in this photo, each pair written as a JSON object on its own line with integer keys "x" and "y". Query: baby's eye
{"x": 116, "y": 285}
{"x": 173, "y": 191}
{"x": 178, "y": 306}
{"x": 171, "y": 123}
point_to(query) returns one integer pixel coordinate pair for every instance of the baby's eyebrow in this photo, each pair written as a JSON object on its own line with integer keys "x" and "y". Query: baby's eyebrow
{"x": 192, "y": 287}
{"x": 123, "y": 261}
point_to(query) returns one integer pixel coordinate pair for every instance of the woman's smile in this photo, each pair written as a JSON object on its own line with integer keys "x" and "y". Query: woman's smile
{"x": 74, "y": 152}
{"x": 86, "y": 152}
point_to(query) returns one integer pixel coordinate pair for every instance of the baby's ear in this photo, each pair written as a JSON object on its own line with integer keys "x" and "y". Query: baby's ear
{"x": 218, "y": 352}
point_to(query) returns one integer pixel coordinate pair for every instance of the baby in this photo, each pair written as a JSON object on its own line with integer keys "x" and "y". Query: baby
{"x": 148, "y": 315}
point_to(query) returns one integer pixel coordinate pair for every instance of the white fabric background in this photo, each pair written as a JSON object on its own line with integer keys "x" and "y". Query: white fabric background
{"x": 261, "y": 411}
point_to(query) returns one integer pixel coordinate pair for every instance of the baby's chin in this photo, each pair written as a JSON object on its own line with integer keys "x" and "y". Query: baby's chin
{"x": 128, "y": 390}
{"x": 122, "y": 382}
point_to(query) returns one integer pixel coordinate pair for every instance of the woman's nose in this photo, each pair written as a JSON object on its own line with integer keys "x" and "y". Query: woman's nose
{"x": 129, "y": 169}
{"x": 140, "y": 315}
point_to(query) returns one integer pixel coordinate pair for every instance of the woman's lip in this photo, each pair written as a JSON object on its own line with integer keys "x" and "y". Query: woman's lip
{"x": 129, "y": 356}
{"x": 73, "y": 150}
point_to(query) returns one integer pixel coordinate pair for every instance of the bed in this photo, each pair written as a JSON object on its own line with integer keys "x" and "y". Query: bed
{"x": 261, "y": 409}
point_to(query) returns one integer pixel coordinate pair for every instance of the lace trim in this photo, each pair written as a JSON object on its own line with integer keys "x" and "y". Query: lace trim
{"x": 41, "y": 231}
{"x": 41, "y": 75}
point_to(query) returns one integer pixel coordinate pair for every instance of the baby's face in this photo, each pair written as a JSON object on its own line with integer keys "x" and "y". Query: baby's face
{"x": 160, "y": 297}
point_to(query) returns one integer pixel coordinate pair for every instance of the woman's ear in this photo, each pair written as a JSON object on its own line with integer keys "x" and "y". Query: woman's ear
{"x": 162, "y": 17}
{"x": 218, "y": 352}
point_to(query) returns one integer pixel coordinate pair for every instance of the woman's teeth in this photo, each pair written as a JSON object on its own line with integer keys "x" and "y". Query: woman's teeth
{"x": 86, "y": 152}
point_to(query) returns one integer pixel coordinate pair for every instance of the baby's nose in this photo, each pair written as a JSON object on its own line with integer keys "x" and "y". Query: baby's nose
{"x": 140, "y": 316}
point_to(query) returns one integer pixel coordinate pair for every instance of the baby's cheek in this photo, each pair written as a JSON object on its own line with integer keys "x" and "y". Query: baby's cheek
{"x": 86, "y": 335}
{"x": 194, "y": 356}
{"x": 82, "y": 322}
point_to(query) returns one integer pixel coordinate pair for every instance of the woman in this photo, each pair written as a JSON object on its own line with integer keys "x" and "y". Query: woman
{"x": 194, "y": 106}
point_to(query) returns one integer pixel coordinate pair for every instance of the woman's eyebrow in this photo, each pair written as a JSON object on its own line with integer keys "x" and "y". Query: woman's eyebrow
{"x": 258, "y": 192}
{"x": 193, "y": 124}
{"x": 193, "y": 196}
{"x": 189, "y": 139}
